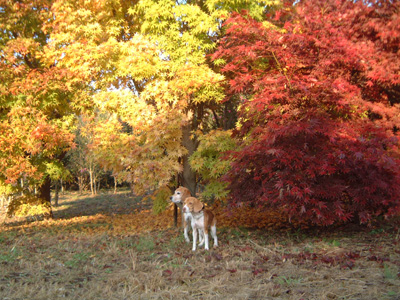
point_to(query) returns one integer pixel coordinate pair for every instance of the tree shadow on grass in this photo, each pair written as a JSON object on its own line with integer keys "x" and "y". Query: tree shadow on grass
{"x": 73, "y": 205}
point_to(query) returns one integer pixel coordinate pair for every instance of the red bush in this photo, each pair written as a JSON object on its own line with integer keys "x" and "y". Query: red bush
{"x": 320, "y": 108}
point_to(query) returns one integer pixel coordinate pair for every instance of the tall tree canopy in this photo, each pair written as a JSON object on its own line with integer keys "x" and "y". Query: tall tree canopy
{"x": 147, "y": 65}
{"x": 37, "y": 97}
{"x": 141, "y": 64}
{"x": 320, "y": 113}
{"x": 316, "y": 86}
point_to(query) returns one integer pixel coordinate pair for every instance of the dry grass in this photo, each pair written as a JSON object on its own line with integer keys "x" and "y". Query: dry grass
{"x": 103, "y": 248}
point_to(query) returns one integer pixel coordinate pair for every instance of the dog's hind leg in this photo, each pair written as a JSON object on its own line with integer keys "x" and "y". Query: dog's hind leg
{"x": 201, "y": 237}
{"x": 214, "y": 235}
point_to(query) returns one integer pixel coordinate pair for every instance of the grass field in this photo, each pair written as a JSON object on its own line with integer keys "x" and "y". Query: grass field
{"x": 111, "y": 247}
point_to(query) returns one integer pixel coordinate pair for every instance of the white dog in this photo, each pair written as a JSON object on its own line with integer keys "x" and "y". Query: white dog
{"x": 179, "y": 198}
{"x": 202, "y": 220}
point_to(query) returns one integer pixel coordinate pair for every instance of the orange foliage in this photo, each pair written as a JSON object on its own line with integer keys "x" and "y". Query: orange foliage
{"x": 144, "y": 220}
{"x": 250, "y": 217}
{"x": 255, "y": 217}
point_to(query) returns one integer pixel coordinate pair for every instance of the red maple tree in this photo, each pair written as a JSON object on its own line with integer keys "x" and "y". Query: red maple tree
{"x": 319, "y": 118}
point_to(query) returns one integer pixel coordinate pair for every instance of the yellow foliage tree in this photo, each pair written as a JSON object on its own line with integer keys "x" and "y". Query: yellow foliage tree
{"x": 145, "y": 65}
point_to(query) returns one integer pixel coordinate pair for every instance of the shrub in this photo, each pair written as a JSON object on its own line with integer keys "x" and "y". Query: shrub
{"x": 211, "y": 162}
{"x": 28, "y": 206}
{"x": 320, "y": 106}
{"x": 160, "y": 199}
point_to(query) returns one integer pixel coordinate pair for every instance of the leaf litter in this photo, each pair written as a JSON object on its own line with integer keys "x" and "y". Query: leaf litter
{"x": 127, "y": 252}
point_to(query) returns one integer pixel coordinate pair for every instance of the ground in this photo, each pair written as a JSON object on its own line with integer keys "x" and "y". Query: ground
{"x": 110, "y": 247}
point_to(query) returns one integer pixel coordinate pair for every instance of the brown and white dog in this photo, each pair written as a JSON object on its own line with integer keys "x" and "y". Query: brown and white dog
{"x": 179, "y": 198}
{"x": 202, "y": 219}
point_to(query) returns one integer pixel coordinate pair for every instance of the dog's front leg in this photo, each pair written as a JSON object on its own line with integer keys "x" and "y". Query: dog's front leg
{"x": 194, "y": 229}
{"x": 185, "y": 230}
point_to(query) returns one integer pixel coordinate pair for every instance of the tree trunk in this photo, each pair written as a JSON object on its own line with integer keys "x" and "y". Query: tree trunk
{"x": 22, "y": 187}
{"x": 115, "y": 184}
{"x": 62, "y": 187}
{"x": 80, "y": 184}
{"x": 56, "y": 192}
{"x": 94, "y": 183}
{"x": 91, "y": 180}
{"x": 230, "y": 116}
{"x": 189, "y": 176}
{"x": 132, "y": 187}
{"x": 45, "y": 196}
{"x": 175, "y": 215}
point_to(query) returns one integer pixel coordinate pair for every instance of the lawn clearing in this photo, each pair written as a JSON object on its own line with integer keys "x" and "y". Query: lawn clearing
{"x": 112, "y": 247}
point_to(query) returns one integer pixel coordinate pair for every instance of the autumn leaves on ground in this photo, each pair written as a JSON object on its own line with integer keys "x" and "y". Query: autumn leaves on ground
{"x": 114, "y": 247}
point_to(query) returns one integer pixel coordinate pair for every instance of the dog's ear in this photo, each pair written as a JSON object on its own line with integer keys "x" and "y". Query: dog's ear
{"x": 185, "y": 193}
{"x": 197, "y": 205}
